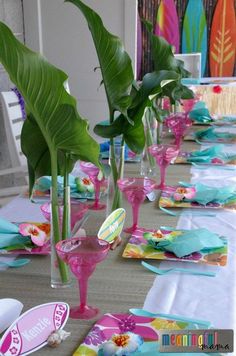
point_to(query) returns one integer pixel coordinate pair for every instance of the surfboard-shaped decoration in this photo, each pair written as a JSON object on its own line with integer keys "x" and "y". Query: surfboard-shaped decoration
{"x": 223, "y": 39}
{"x": 194, "y": 35}
{"x": 167, "y": 24}
{"x": 139, "y": 48}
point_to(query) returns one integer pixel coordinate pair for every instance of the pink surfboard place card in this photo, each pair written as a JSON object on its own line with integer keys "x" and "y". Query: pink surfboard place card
{"x": 32, "y": 329}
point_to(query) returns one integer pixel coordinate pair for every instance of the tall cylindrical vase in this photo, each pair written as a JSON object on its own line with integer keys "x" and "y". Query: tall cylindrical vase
{"x": 116, "y": 159}
{"x": 148, "y": 164}
{"x": 60, "y": 224}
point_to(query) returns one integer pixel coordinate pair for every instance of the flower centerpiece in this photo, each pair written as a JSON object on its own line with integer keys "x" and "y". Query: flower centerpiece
{"x": 54, "y": 135}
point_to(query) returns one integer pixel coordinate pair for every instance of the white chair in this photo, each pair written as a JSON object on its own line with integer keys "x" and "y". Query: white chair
{"x": 13, "y": 121}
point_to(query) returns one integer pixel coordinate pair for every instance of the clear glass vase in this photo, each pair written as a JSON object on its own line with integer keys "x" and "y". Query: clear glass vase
{"x": 148, "y": 164}
{"x": 60, "y": 274}
{"x": 116, "y": 162}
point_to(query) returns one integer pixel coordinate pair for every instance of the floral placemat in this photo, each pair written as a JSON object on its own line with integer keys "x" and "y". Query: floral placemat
{"x": 184, "y": 158}
{"x": 110, "y": 324}
{"x": 139, "y": 248}
{"x": 167, "y": 200}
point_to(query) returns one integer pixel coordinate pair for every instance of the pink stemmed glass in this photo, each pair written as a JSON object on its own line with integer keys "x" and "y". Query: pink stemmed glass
{"x": 188, "y": 104}
{"x": 77, "y": 212}
{"x": 179, "y": 124}
{"x": 135, "y": 190}
{"x": 163, "y": 154}
{"x": 82, "y": 255}
{"x": 92, "y": 171}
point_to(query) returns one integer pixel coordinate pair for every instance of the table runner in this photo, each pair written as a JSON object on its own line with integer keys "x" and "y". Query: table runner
{"x": 201, "y": 297}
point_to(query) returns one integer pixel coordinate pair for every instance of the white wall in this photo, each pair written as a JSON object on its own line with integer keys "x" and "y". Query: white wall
{"x": 59, "y": 31}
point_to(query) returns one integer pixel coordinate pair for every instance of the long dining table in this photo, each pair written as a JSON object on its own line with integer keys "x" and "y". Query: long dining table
{"x": 118, "y": 284}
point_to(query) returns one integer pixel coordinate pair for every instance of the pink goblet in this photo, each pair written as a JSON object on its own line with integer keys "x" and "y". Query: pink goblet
{"x": 92, "y": 171}
{"x": 135, "y": 190}
{"x": 82, "y": 255}
{"x": 179, "y": 124}
{"x": 164, "y": 154}
{"x": 77, "y": 212}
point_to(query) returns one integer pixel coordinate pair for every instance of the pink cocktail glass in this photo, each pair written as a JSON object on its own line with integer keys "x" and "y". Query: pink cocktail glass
{"x": 179, "y": 124}
{"x": 92, "y": 171}
{"x": 82, "y": 255}
{"x": 135, "y": 190}
{"x": 188, "y": 104}
{"x": 163, "y": 154}
{"x": 77, "y": 212}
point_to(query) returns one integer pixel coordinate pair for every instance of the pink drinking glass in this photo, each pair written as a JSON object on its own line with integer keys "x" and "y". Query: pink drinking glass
{"x": 92, "y": 171}
{"x": 82, "y": 255}
{"x": 135, "y": 190}
{"x": 77, "y": 212}
{"x": 163, "y": 154}
{"x": 188, "y": 104}
{"x": 179, "y": 124}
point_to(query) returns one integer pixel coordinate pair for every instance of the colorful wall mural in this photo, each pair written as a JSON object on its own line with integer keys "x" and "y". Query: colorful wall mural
{"x": 206, "y": 26}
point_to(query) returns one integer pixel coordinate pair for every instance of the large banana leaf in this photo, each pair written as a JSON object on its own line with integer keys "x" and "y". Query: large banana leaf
{"x": 53, "y": 109}
{"x": 152, "y": 86}
{"x": 115, "y": 64}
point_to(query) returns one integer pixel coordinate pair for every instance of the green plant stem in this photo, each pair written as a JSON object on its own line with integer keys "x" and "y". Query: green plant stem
{"x": 66, "y": 231}
{"x": 55, "y": 215}
{"x": 149, "y": 139}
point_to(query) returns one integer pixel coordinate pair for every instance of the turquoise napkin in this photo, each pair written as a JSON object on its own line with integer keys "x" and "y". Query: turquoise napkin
{"x": 43, "y": 184}
{"x": 206, "y": 194}
{"x": 9, "y": 236}
{"x": 200, "y": 113}
{"x": 205, "y": 156}
{"x": 210, "y": 135}
{"x": 190, "y": 241}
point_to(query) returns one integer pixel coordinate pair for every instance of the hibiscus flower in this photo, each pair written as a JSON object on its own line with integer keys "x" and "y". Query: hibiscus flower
{"x": 182, "y": 193}
{"x": 38, "y": 237}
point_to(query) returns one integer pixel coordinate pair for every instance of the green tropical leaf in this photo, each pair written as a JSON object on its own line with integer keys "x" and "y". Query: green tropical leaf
{"x": 115, "y": 64}
{"x": 57, "y": 125}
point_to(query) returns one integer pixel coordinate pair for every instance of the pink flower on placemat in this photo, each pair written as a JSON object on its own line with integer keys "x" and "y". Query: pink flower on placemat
{"x": 217, "y": 161}
{"x": 37, "y": 236}
{"x": 181, "y": 193}
{"x": 217, "y": 89}
{"x": 122, "y": 323}
{"x": 95, "y": 337}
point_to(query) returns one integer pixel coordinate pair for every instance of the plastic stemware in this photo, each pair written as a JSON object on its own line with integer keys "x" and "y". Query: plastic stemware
{"x": 163, "y": 154}
{"x": 135, "y": 190}
{"x": 179, "y": 124}
{"x": 82, "y": 255}
{"x": 77, "y": 212}
{"x": 92, "y": 171}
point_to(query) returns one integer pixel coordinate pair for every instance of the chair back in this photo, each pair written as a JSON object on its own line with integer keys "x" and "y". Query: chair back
{"x": 13, "y": 120}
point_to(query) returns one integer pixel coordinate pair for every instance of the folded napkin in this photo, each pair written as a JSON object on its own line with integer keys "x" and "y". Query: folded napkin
{"x": 204, "y": 194}
{"x": 200, "y": 113}
{"x": 81, "y": 188}
{"x": 211, "y": 135}
{"x": 10, "y": 238}
{"x": 188, "y": 242}
{"x": 206, "y": 156}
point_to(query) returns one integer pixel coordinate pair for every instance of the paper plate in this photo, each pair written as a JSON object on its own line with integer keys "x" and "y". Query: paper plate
{"x": 32, "y": 329}
{"x": 112, "y": 226}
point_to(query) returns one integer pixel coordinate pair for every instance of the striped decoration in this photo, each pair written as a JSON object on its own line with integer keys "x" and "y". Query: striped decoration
{"x": 194, "y": 35}
{"x": 223, "y": 40}
{"x": 148, "y": 10}
{"x": 167, "y": 24}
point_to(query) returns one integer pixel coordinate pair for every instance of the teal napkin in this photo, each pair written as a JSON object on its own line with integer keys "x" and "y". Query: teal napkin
{"x": 43, "y": 184}
{"x": 9, "y": 236}
{"x": 206, "y": 194}
{"x": 205, "y": 156}
{"x": 200, "y": 113}
{"x": 210, "y": 135}
{"x": 191, "y": 241}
